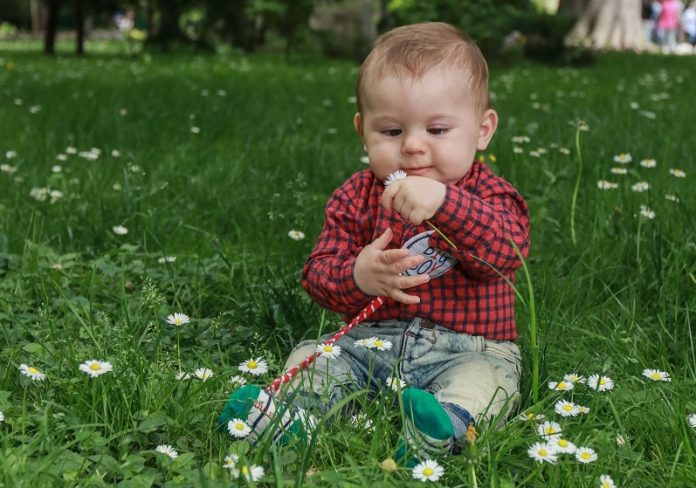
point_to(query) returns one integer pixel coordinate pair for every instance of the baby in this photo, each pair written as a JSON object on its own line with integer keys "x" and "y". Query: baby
{"x": 438, "y": 240}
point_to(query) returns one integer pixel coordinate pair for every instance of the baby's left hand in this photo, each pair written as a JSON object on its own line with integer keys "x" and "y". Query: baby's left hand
{"x": 415, "y": 198}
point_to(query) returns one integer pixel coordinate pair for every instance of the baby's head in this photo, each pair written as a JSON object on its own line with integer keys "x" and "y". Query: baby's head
{"x": 423, "y": 102}
{"x": 414, "y": 50}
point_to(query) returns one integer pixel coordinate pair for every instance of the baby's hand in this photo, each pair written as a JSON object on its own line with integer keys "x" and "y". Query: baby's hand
{"x": 416, "y": 198}
{"x": 377, "y": 272}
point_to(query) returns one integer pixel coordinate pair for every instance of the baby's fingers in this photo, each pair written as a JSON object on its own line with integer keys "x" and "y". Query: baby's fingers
{"x": 399, "y": 260}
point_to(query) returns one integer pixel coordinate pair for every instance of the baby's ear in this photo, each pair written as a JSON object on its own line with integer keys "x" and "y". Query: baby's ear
{"x": 358, "y": 123}
{"x": 489, "y": 123}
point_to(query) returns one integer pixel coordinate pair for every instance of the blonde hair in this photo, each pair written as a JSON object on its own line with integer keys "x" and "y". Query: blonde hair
{"x": 418, "y": 48}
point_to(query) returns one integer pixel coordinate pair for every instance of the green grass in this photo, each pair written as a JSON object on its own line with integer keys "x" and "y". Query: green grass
{"x": 272, "y": 147}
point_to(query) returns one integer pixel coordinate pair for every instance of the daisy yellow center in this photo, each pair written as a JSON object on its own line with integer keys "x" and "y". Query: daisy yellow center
{"x": 530, "y": 416}
{"x": 656, "y": 376}
{"x": 239, "y": 426}
{"x": 602, "y": 381}
{"x": 328, "y": 348}
{"x": 550, "y": 430}
{"x": 379, "y": 343}
{"x": 567, "y": 408}
{"x": 95, "y": 366}
{"x": 252, "y": 364}
{"x": 178, "y": 321}
{"x": 605, "y": 484}
{"x": 428, "y": 471}
{"x": 245, "y": 470}
{"x": 563, "y": 443}
{"x": 585, "y": 455}
{"x": 32, "y": 370}
{"x": 543, "y": 452}
{"x": 562, "y": 385}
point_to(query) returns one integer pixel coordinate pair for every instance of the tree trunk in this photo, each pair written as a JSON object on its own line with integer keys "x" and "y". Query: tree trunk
{"x": 150, "y": 16}
{"x": 614, "y": 25}
{"x": 51, "y": 27}
{"x": 80, "y": 27}
{"x": 38, "y": 17}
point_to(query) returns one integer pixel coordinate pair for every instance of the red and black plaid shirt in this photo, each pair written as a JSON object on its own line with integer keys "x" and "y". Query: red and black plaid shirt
{"x": 480, "y": 215}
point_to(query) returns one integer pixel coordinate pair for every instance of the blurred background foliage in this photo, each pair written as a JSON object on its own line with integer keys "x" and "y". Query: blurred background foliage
{"x": 506, "y": 30}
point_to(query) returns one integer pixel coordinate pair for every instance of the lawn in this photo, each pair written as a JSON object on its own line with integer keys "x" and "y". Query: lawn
{"x": 137, "y": 187}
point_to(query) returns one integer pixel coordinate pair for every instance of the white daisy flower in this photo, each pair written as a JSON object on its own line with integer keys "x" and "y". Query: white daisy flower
{"x": 178, "y": 319}
{"x": 203, "y": 374}
{"x": 379, "y": 344}
{"x": 549, "y": 429}
{"x": 517, "y": 150}
{"x": 7, "y": 168}
{"x": 542, "y": 453}
{"x": 623, "y": 158}
{"x": 428, "y": 470}
{"x": 96, "y": 368}
{"x": 620, "y": 440}
{"x": 61, "y": 157}
{"x": 672, "y": 198}
{"x": 166, "y": 259}
{"x": 647, "y": 212}
{"x": 238, "y": 428}
{"x": 364, "y": 160}
{"x": 600, "y": 383}
{"x": 564, "y": 150}
{"x": 362, "y": 421}
{"x": 253, "y": 472}
{"x": 607, "y": 185}
{"x": 583, "y": 409}
{"x": 648, "y": 163}
{"x": 182, "y": 375}
{"x": 56, "y": 168}
{"x": 71, "y": 150}
{"x": 395, "y": 383}
{"x": 618, "y": 171}
{"x": 10, "y": 154}
{"x": 605, "y": 481}
{"x": 656, "y": 375}
{"x": 526, "y": 417}
{"x": 561, "y": 385}
{"x": 2, "y": 417}
{"x": 691, "y": 418}
{"x": 257, "y": 366}
{"x": 585, "y": 455}
{"x": 329, "y": 351}
{"x": 677, "y": 173}
{"x": 395, "y": 176}
{"x": 120, "y": 230}
{"x": 640, "y": 187}
{"x": 574, "y": 378}
{"x": 32, "y": 372}
{"x": 115, "y": 153}
{"x": 238, "y": 381}
{"x": 520, "y": 139}
{"x": 167, "y": 450}
{"x": 296, "y": 235}
{"x": 231, "y": 461}
{"x": 561, "y": 445}
{"x": 195, "y": 130}
{"x": 364, "y": 342}
{"x": 566, "y": 409}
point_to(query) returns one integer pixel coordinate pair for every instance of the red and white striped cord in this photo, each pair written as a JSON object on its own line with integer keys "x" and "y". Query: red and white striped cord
{"x": 361, "y": 317}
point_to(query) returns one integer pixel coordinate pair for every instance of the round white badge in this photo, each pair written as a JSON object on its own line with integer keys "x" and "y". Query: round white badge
{"x": 436, "y": 261}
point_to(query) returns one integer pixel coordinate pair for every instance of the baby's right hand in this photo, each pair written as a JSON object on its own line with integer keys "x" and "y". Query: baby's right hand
{"x": 377, "y": 272}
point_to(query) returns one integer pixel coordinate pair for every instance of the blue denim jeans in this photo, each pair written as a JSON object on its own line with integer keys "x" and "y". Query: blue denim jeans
{"x": 472, "y": 377}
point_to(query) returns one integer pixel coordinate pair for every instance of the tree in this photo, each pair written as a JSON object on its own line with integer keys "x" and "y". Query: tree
{"x": 80, "y": 27}
{"x": 51, "y": 27}
{"x": 614, "y": 24}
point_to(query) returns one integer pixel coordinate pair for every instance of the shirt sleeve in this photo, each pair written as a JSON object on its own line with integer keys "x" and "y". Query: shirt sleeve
{"x": 328, "y": 273}
{"x": 484, "y": 228}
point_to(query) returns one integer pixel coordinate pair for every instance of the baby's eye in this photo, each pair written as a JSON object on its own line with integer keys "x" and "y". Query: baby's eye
{"x": 391, "y": 132}
{"x": 438, "y": 131}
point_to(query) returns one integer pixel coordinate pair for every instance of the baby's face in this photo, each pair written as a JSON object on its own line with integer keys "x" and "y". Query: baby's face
{"x": 425, "y": 127}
